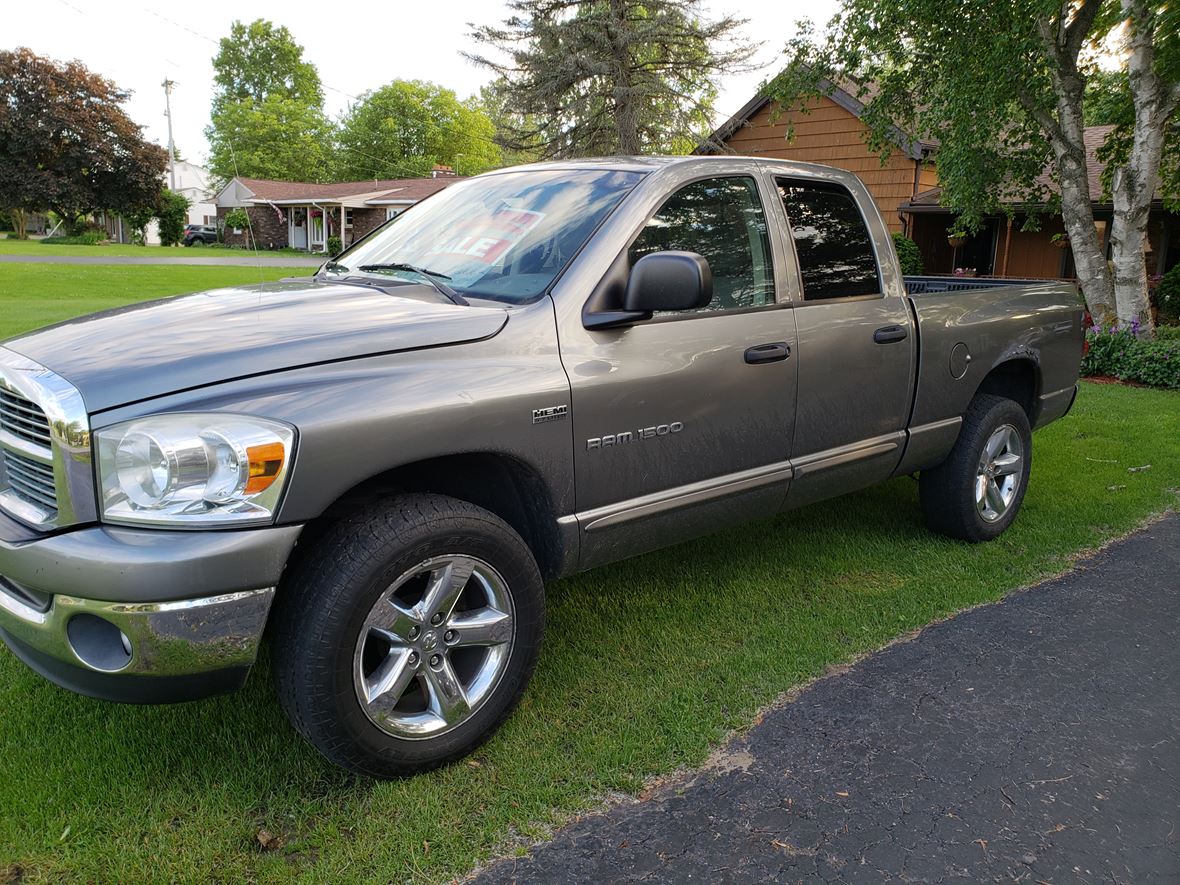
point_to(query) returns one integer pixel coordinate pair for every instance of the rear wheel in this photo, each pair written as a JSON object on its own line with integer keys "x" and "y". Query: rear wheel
{"x": 975, "y": 494}
{"x": 408, "y": 635}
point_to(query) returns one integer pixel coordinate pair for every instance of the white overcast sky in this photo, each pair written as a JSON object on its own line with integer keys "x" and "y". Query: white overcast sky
{"x": 357, "y": 45}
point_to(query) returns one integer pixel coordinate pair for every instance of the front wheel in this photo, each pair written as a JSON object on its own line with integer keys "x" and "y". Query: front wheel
{"x": 407, "y": 636}
{"x": 975, "y": 494}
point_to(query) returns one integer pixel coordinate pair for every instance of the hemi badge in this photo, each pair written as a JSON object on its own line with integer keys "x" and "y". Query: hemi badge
{"x": 549, "y": 413}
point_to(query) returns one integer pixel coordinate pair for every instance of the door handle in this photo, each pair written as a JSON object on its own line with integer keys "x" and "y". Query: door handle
{"x": 768, "y": 353}
{"x": 890, "y": 334}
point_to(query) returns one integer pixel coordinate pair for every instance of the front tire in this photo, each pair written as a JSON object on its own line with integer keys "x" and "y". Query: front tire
{"x": 975, "y": 494}
{"x": 408, "y": 634}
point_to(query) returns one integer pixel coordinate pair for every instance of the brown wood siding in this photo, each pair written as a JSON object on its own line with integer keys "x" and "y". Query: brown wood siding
{"x": 830, "y": 135}
{"x": 1032, "y": 255}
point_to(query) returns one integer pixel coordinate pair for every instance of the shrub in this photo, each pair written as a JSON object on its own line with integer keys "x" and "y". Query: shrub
{"x": 237, "y": 220}
{"x": 1121, "y": 354}
{"x": 335, "y": 246}
{"x": 86, "y": 238}
{"x": 1167, "y": 333}
{"x": 909, "y": 255}
{"x": 172, "y": 214}
{"x": 1167, "y": 297}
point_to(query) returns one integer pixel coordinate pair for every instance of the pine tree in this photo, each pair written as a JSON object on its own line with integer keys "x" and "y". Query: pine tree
{"x": 609, "y": 76}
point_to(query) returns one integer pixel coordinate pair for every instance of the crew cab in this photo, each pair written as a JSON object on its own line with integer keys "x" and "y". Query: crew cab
{"x": 535, "y": 372}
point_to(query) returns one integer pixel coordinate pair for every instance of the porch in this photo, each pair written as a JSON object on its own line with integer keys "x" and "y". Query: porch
{"x": 1003, "y": 248}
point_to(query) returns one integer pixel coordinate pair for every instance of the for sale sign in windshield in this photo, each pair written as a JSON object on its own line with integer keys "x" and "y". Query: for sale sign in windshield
{"x": 487, "y": 237}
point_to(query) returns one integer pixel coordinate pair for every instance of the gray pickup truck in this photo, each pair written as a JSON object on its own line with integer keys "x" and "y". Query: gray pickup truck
{"x": 535, "y": 372}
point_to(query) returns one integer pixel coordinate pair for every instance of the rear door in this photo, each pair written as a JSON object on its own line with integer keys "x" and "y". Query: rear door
{"x": 856, "y": 344}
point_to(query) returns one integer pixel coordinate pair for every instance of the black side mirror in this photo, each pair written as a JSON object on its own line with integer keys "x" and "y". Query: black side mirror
{"x": 668, "y": 281}
{"x": 660, "y": 281}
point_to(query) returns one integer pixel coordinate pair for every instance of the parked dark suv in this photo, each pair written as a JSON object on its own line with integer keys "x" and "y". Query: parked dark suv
{"x": 199, "y": 233}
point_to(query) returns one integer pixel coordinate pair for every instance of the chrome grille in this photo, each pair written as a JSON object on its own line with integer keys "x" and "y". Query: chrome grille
{"x": 31, "y": 480}
{"x": 45, "y": 459}
{"x": 24, "y": 419}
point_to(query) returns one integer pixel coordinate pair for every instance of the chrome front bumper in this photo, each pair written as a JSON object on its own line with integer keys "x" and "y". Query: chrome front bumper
{"x": 179, "y": 638}
{"x": 140, "y": 616}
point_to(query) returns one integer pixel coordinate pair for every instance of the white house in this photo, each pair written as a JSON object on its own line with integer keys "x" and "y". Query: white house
{"x": 192, "y": 181}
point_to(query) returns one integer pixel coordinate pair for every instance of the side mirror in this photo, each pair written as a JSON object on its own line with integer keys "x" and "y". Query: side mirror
{"x": 668, "y": 281}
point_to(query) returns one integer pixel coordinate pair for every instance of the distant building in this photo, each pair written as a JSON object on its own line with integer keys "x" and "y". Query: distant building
{"x": 302, "y": 215}
{"x": 192, "y": 181}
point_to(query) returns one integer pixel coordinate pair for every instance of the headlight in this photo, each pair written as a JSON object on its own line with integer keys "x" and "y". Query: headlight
{"x": 193, "y": 469}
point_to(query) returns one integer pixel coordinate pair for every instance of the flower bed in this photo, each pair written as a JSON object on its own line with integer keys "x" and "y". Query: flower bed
{"x": 1121, "y": 353}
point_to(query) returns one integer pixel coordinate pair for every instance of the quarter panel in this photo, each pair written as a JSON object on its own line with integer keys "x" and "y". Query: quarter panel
{"x": 1038, "y": 323}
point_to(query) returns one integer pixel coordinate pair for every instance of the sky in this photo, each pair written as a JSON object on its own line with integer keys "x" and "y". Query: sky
{"x": 356, "y": 46}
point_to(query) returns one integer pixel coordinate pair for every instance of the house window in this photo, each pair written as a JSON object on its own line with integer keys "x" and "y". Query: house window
{"x": 347, "y": 213}
{"x": 392, "y": 213}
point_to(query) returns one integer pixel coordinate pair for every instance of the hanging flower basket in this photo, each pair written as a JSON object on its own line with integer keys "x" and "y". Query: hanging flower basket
{"x": 1061, "y": 241}
{"x": 956, "y": 240}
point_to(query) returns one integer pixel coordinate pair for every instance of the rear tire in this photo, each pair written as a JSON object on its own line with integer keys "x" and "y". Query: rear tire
{"x": 404, "y": 639}
{"x": 975, "y": 494}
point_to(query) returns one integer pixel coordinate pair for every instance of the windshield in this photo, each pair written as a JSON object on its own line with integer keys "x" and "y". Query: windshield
{"x": 503, "y": 237}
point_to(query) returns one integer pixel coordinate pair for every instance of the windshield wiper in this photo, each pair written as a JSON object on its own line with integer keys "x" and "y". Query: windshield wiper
{"x": 431, "y": 276}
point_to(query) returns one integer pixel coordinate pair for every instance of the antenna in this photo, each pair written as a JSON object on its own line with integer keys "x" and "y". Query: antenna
{"x": 168, "y": 84}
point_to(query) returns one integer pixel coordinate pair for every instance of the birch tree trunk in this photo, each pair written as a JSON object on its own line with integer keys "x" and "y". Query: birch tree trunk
{"x": 1133, "y": 184}
{"x": 1063, "y": 41}
{"x": 1077, "y": 212}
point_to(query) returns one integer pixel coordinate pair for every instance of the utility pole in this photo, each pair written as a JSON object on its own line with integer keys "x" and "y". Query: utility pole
{"x": 168, "y": 84}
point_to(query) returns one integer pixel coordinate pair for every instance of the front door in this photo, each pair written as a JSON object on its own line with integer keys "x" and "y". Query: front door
{"x": 682, "y": 423}
{"x": 297, "y": 229}
{"x": 856, "y": 353}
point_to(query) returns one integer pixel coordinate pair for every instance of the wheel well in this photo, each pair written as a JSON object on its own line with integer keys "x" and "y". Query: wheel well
{"x": 504, "y": 485}
{"x": 1016, "y": 379}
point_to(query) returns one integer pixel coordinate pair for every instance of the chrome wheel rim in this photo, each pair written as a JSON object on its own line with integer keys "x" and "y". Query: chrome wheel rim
{"x": 1001, "y": 469}
{"x": 434, "y": 647}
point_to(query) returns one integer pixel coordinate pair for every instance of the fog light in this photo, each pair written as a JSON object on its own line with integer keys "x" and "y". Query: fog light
{"x": 98, "y": 644}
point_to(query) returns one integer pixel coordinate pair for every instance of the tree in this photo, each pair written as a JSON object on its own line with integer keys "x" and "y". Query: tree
{"x": 1000, "y": 84}
{"x": 1151, "y": 39}
{"x": 495, "y": 101}
{"x": 407, "y": 127}
{"x": 609, "y": 76}
{"x": 267, "y": 119}
{"x": 66, "y": 143}
{"x": 172, "y": 215}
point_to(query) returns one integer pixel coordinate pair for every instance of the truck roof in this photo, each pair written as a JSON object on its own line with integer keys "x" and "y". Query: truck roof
{"x": 651, "y": 163}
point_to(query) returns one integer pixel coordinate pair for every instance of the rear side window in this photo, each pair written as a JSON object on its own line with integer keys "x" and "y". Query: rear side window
{"x": 722, "y": 220}
{"x": 836, "y": 257}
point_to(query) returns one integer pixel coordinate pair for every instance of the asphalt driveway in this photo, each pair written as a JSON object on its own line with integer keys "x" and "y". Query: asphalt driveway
{"x": 246, "y": 259}
{"x": 1036, "y": 740}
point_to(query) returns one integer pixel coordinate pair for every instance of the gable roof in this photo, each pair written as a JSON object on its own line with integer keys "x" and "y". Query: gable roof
{"x": 915, "y": 149}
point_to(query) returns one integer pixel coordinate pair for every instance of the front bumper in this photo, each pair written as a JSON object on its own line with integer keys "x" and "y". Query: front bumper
{"x": 141, "y": 616}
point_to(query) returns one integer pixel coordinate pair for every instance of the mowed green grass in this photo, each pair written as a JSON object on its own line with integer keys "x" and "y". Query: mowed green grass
{"x": 647, "y": 665}
{"x": 33, "y": 295}
{"x": 38, "y": 248}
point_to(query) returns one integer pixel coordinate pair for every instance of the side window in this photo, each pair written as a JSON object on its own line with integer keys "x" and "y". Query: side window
{"x": 721, "y": 219}
{"x": 836, "y": 257}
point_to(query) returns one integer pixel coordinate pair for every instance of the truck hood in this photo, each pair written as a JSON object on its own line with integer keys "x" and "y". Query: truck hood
{"x": 159, "y": 347}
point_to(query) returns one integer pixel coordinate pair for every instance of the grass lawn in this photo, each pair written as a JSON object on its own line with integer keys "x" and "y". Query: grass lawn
{"x": 36, "y": 247}
{"x": 33, "y": 295}
{"x": 648, "y": 664}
